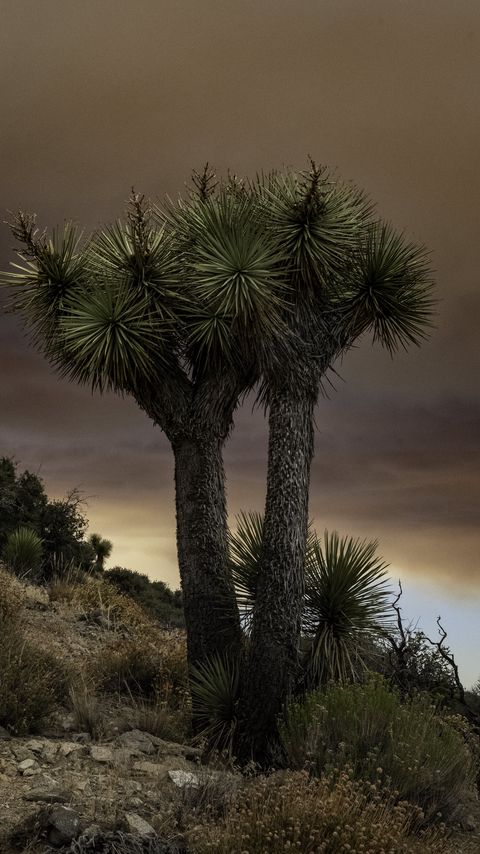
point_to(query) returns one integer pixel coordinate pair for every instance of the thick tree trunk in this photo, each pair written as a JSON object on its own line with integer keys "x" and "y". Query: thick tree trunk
{"x": 211, "y": 611}
{"x": 273, "y": 655}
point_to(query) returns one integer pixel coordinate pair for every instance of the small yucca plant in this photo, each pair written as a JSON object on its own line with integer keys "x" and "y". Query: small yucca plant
{"x": 214, "y": 686}
{"x": 22, "y": 553}
{"x": 347, "y": 603}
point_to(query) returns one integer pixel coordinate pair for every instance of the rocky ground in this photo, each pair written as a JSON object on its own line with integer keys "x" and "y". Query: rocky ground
{"x": 130, "y": 782}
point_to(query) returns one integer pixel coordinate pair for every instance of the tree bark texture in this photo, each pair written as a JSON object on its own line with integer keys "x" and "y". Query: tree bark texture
{"x": 211, "y": 611}
{"x": 273, "y": 654}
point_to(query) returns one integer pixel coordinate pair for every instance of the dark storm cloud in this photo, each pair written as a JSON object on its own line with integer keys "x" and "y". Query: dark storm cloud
{"x": 97, "y": 96}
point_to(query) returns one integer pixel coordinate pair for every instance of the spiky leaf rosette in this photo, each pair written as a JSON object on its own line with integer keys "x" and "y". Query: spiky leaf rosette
{"x": 112, "y": 339}
{"x": 388, "y": 290}
{"x": 233, "y": 275}
{"x": 214, "y": 686}
{"x": 246, "y": 555}
{"x": 22, "y": 553}
{"x": 315, "y": 222}
{"x": 346, "y": 603}
{"x": 51, "y": 269}
{"x": 140, "y": 255}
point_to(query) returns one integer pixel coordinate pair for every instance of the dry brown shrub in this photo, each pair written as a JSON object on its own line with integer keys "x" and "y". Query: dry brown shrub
{"x": 291, "y": 812}
{"x": 150, "y": 664}
{"x": 11, "y": 597}
{"x": 121, "y": 612}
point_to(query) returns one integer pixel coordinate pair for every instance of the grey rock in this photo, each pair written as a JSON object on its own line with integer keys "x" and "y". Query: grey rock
{"x": 137, "y": 824}
{"x": 21, "y": 752}
{"x": 63, "y": 825}
{"x": 31, "y": 772}
{"x": 136, "y": 741}
{"x": 68, "y": 747}
{"x": 49, "y": 752}
{"x": 53, "y": 794}
{"x": 82, "y": 737}
{"x": 101, "y": 753}
{"x": 26, "y": 764}
{"x": 150, "y": 768}
{"x": 183, "y": 778}
{"x": 35, "y": 745}
{"x": 4, "y": 734}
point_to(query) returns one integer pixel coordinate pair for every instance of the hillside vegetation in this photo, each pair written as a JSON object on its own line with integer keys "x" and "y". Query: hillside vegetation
{"x": 95, "y": 712}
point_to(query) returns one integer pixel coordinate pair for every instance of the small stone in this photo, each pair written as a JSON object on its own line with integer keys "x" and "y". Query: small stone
{"x": 35, "y": 746}
{"x": 183, "y": 778}
{"x": 149, "y": 768}
{"x": 137, "y": 824}
{"x": 49, "y": 795}
{"x": 26, "y": 764}
{"x": 20, "y": 752}
{"x": 100, "y": 753}
{"x": 49, "y": 752}
{"x": 4, "y": 734}
{"x": 68, "y": 747}
{"x": 63, "y": 825}
{"x": 136, "y": 741}
{"x": 82, "y": 737}
{"x": 31, "y": 772}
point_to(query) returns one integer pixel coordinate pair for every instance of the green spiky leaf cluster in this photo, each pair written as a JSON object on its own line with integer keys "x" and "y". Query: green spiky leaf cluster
{"x": 347, "y": 600}
{"x": 388, "y": 289}
{"x": 277, "y": 275}
{"x": 22, "y": 553}
{"x": 316, "y": 222}
{"x": 51, "y": 270}
{"x": 346, "y": 596}
{"x": 111, "y": 339}
{"x": 215, "y": 686}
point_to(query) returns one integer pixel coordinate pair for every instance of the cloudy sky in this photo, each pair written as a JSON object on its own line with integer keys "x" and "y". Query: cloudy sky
{"x": 99, "y": 95}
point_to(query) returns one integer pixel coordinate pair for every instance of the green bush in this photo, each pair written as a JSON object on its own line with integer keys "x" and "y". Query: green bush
{"x": 421, "y": 754}
{"x": 22, "y": 552}
{"x": 290, "y": 812}
{"x": 154, "y": 596}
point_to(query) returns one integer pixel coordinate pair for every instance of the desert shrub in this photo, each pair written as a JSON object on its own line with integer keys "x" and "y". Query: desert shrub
{"x": 33, "y": 682}
{"x": 132, "y": 666}
{"x": 157, "y": 717}
{"x": 22, "y": 552}
{"x": 93, "y": 595}
{"x": 155, "y": 597}
{"x": 423, "y": 756}
{"x": 10, "y": 600}
{"x": 87, "y": 711}
{"x": 291, "y": 812}
{"x": 61, "y": 590}
{"x": 419, "y": 667}
{"x": 151, "y": 665}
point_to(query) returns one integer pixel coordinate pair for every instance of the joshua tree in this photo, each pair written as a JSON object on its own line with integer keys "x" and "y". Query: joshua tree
{"x": 163, "y": 308}
{"x": 102, "y": 549}
{"x": 345, "y": 273}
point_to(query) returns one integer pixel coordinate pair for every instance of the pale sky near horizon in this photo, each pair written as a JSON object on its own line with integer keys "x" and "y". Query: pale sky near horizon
{"x": 104, "y": 94}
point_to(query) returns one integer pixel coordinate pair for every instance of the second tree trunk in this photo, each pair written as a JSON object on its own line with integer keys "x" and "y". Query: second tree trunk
{"x": 273, "y": 657}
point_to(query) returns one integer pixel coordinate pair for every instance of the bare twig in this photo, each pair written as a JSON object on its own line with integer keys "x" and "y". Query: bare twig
{"x": 448, "y": 656}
